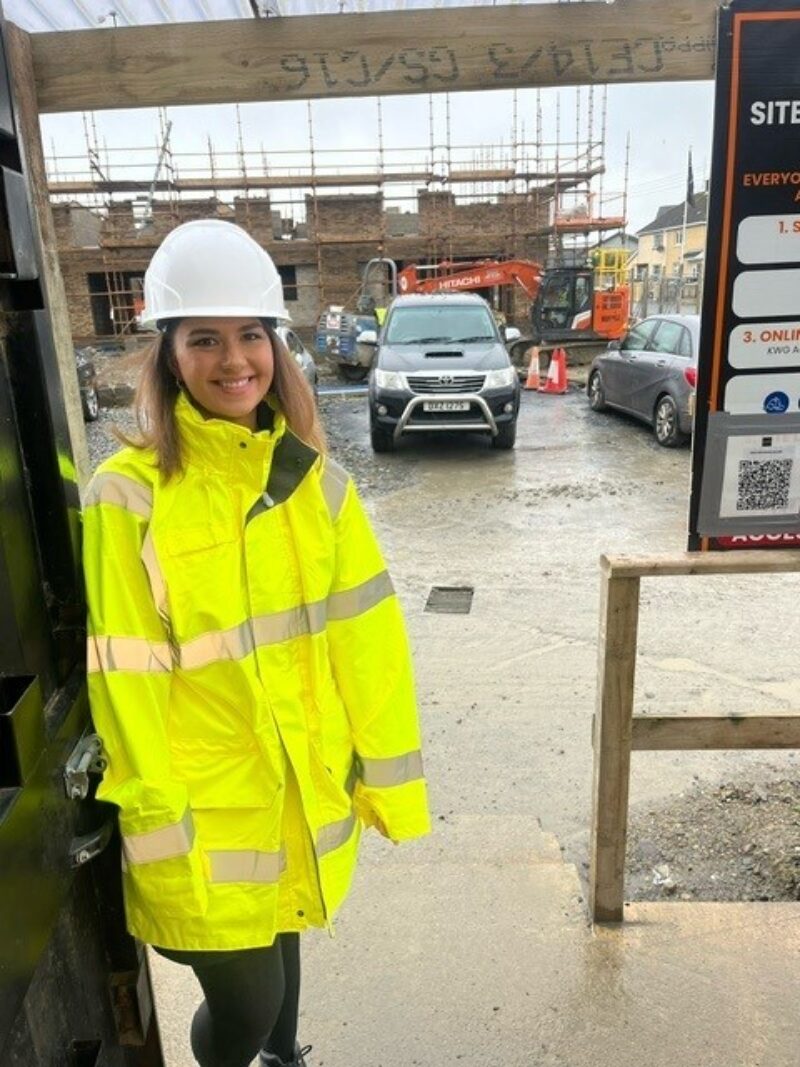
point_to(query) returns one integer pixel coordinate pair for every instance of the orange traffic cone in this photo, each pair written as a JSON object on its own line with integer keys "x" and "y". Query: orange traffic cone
{"x": 556, "y": 380}
{"x": 533, "y": 379}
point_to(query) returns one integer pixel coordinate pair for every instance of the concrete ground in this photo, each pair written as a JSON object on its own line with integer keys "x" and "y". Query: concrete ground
{"x": 473, "y": 946}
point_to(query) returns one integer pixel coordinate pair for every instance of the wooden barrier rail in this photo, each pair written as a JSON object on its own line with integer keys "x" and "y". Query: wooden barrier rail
{"x": 618, "y": 731}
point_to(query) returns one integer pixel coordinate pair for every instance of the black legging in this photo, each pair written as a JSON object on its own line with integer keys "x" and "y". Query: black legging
{"x": 251, "y": 1002}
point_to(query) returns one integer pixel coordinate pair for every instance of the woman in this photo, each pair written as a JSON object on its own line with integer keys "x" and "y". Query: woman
{"x": 248, "y": 667}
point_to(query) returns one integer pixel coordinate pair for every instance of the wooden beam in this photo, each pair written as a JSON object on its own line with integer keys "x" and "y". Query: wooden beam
{"x": 280, "y": 181}
{"x": 751, "y": 561}
{"x": 619, "y": 615}
{"x": 689, "y": 732}
{"x": 381, "y": 53}
{"x": 20, "y": 68}
{"x": 589, "y": 226}
{"x": 308, "y": 181}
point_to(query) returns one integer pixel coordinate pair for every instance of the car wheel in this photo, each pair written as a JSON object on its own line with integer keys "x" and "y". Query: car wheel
{"x": 665, "y": 423}
{"x": 381, "y": 440}
{"x": 353, "y": 373}
{"x": 506, "y": 436}
{"x": 596, "y": 392}
{"x": 91, "y": 405}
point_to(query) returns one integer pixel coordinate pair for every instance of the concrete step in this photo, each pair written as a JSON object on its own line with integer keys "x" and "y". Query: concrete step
{"x": 444, "y": 959}
{"x": 479, "y": 965}
{"x": 476, "y": 838}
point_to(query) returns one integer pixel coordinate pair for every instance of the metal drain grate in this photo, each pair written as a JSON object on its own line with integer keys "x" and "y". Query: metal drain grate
{"x": 450, "y": 599}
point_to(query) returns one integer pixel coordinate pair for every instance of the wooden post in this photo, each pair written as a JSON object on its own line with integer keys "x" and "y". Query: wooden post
{"x": 20, "y": 66}
{"x": 619, "y": 615}
{"x": 617, "y": 731}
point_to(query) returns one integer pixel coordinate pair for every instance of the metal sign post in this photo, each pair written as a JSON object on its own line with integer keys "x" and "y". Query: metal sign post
{"x": 746, "y": 464}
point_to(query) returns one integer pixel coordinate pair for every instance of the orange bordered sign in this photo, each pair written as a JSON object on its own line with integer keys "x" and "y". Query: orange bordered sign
{"x": 746, "y": 459}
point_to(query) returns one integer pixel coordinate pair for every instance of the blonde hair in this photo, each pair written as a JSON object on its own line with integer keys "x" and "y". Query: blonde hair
{"x": 158, "y": 391}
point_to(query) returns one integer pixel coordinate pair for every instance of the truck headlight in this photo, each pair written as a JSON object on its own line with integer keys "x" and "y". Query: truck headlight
{"x": 497, "y": 379}
{"x": 389, "y": 379}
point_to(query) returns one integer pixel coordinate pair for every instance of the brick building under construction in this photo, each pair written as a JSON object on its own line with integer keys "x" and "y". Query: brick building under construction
{"x": 322, "y": 224}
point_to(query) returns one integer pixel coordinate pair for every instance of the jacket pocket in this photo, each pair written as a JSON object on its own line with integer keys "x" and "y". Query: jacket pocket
{"x": 174, "y": 887}
{"x": 198, "y": 537}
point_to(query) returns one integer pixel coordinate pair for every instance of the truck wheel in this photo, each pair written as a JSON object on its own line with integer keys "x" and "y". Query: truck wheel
{"x": 353, "y": 372}
{"x": 381, "y": 440}
{"x": 90, "y": 403}
{"x": 518, "y": 349}
{"x": 506, "y": 436}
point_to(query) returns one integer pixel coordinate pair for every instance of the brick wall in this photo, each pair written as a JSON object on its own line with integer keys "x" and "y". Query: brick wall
{"x": 401, "y": 223}
{"x": 254, "y": 214}
{"x": 78, "y": 302}
{"x": 341, "y": 277}
{"x": 305, "y": 310}
{"x": 352, "y": 230}
{"x": 500, "y": 223}
{"x": 165, "y": 216}
{"x": 359, "y": 215}
{"x": 76, "y": 226}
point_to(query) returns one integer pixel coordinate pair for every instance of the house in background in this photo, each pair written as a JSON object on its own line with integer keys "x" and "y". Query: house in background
{"x": 580, "y": 257}
{"x": 621, "y": 240}
{"x": 668, "y": 267}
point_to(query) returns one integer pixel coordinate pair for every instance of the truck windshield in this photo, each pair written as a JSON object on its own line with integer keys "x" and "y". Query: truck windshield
{"x": 440, "y": 324}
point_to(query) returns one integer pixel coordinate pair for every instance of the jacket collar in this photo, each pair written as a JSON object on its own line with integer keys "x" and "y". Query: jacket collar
{"x": 218, "y": 445}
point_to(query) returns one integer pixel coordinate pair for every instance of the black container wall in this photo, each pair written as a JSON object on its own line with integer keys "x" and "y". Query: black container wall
{"x": 74, "y": 987}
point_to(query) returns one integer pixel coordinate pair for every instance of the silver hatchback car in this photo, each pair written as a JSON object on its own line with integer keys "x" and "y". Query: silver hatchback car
{"x": 651, "y": 373}
{"x": 300, "y": 354}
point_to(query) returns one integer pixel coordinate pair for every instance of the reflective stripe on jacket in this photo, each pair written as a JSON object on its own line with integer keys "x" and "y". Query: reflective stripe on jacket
{"x": 250, "y": 677}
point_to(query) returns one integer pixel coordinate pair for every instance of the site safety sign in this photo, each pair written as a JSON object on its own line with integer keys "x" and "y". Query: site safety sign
{"x": 746, "y": 461}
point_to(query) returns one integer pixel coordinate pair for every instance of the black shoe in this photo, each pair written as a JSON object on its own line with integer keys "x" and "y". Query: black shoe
{"x": 268, "y": 1059}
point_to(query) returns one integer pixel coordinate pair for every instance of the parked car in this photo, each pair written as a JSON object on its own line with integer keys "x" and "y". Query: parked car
{"x": 87, "y": 382}
{"x": 441, "y": 364}
{"x": 300, "y": 353}
{"x": 651, "y": 373}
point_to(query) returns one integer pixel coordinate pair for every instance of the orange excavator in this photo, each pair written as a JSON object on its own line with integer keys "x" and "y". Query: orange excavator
{"x": 567, "y": 303}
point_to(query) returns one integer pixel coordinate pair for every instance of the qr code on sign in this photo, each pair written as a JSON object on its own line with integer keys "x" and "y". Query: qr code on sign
{"x": 763, "y": 484}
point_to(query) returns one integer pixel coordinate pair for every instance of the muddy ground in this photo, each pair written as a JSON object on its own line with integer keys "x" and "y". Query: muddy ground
{"x": 507, "y": 705}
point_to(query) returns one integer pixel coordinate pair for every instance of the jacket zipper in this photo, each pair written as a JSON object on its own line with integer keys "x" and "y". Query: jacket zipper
{"x": 269, "y": 504}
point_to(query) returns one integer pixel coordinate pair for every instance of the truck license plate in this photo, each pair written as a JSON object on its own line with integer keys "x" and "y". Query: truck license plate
{"x": 445, "y": 405}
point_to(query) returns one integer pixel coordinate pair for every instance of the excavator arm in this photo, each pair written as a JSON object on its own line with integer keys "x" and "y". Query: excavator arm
{"x": 448, "y": 277}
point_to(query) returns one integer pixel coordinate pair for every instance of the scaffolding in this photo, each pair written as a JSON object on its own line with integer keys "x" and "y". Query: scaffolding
{"x": 524, "y": 197}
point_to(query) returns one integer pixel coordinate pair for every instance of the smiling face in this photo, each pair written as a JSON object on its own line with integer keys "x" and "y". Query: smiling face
{"x": 227, "y": 366}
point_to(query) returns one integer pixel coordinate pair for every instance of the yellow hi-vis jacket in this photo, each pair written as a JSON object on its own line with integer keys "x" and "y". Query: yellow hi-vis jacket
{"x": 249, "y": 675}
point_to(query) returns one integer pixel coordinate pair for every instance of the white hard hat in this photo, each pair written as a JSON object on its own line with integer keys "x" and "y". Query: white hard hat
{"x": 210, "y": 267}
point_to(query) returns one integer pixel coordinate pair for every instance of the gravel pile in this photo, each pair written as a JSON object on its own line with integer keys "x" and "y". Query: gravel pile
{"x": 100, "y": 435}
{"x": 735, "y": 841}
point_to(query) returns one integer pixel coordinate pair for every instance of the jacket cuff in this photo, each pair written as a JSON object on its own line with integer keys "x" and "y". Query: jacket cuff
{"x": 402, "y": 809}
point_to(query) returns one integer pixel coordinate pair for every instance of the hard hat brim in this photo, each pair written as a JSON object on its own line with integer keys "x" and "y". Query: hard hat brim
{"x": 150, "y": 322}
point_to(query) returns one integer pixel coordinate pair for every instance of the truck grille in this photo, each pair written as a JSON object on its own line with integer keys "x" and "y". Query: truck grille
{"x": 446, "y": 383}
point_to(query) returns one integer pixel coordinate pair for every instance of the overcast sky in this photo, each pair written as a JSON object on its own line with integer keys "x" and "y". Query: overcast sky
{"x": 663, "y": 121}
